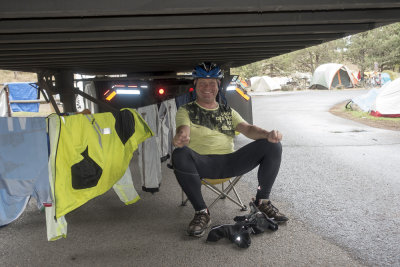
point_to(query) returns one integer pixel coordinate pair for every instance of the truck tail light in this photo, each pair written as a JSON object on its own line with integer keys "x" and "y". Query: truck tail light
{"x": 111, "y": 95}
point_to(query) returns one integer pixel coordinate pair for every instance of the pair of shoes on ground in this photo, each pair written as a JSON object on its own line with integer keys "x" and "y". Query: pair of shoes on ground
{"x": 202, "y": 220}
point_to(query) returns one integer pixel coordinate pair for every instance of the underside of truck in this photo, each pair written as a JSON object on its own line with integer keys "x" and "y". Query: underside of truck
{"x": 140, "y": 47}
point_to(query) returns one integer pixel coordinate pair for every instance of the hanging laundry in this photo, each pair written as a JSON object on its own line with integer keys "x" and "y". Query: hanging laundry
{"x": 57, "y": 228}
{"x": 23, "y": 91}
{"x": 149, "y": 154}
{"x": 166, "y": 114}
{"x": 3, "y": 103}
{"x": 92, "y": 153}
{"x": 125, "y": 189}
{"x": 23, "y": 166}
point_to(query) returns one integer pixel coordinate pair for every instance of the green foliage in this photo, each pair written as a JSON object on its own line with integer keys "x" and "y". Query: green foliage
{"x": 309, "y": 59}
{"x": 381, "y": 45}
{"x": 248, "y": 71}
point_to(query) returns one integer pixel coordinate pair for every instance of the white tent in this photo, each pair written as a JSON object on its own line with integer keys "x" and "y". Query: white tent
{"x": 366, "y": 101}
{"x": 264, "y": 84}
{"x": 282, "y": 81}
{"x": 330, "y": 75}
{"x": 387, "y": 102}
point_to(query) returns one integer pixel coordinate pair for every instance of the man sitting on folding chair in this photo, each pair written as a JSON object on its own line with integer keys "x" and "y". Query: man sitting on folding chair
{"x": 205, "y": 148}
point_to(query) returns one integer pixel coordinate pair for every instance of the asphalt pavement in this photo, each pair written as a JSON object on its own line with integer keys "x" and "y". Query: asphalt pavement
{"x": 105, "y": 232}
{"x": 341, "y": 177}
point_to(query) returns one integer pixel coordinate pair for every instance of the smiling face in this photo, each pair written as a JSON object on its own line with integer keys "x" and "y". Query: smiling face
{"x": 207, "y": 90}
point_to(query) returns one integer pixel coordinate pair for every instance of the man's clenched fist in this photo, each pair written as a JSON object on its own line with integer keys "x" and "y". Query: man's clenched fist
{"x": 181, "y": 138}
{"x": 274, "y": 136}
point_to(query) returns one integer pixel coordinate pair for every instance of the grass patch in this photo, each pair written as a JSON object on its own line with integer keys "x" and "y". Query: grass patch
{"x": 366, "y": 115}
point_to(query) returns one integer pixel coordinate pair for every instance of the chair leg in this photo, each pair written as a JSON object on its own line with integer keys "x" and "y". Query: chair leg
{"x": 223, "y": 189}
{"x": 226, "y": 192}
{"x": 184, "y": 200}
{"x": 221, "y": 193}
{"x": 244, "y": 208}
{"x": 232, "y": 187}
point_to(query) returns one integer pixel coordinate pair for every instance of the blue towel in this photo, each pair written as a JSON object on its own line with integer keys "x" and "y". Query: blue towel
{"x": 23, "y": 166}
{"x": 23, "y": 91}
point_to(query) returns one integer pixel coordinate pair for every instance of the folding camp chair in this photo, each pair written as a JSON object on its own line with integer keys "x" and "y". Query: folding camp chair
{"x": 222, "y": 193}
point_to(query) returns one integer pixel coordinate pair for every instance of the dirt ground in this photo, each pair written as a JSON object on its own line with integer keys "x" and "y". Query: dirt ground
{"x": 340, "y": 110}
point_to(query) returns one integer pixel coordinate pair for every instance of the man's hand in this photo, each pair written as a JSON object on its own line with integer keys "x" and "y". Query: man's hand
{"x": 182, "y": 137}
{"x": 255, "y": 132}
{"x": 274, "y": 136}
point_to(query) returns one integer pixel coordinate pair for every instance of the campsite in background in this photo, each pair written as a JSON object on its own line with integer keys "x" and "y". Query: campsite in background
{"x": 380, "y": 102}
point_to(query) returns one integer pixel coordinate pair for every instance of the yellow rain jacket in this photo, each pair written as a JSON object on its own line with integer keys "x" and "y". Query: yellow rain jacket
{"x": 93, "y": 153}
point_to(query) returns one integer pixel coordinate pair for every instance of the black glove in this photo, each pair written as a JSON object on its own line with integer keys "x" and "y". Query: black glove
{"x": 238, "y": 233}
{"x": 258, "y": 220}
{"x": 255, "y": 222}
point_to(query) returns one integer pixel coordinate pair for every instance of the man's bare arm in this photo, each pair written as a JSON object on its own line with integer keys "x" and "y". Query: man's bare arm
{"x": 182, "y": 136}
{"x": 255, "y": 132}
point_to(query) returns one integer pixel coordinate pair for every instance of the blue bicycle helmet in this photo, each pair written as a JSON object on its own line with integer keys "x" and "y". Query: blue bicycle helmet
{"x": 207, "y": 70}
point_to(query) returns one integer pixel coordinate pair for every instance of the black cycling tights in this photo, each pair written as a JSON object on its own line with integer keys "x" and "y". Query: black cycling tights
{"x": 189, "y": 166}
